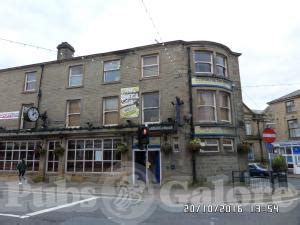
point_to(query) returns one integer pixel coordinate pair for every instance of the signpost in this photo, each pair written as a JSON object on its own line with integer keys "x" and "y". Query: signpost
{"x": 269, "y": 136}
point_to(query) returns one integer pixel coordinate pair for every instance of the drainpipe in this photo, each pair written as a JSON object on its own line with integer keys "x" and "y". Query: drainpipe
{"x": 192, "y": 127}
{"x": 260, "y": 142}
{"x": 40, "y": 85}
{"x": 36, "y": 124}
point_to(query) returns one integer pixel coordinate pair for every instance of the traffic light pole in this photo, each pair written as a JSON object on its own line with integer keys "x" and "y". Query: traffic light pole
{"x": 146, "y": 165}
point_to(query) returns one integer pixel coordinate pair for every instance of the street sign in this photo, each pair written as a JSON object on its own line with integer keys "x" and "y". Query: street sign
{"x": 269, "y": 135}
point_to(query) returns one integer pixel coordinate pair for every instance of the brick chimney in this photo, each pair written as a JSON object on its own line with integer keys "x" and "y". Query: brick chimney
{"x": 65, "y": 51}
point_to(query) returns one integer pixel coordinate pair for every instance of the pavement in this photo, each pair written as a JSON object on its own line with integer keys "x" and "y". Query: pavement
{"x": 77, "y": 203}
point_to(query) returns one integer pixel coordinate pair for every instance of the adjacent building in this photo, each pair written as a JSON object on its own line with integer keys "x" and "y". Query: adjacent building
{"x": 89, "y": 104}
{"x": 284, "y": 113}
{"x": 255, "y": 122}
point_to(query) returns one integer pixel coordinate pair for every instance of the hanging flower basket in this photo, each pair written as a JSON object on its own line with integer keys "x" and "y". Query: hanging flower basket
{"x": 39, "y": 150}
{"x": 59, "y": 151}
{"x": 166, "y": 148}
{"x": 243, "y": 148}
{"x": 122, "y": 148}
{"x": 194, "y": 145}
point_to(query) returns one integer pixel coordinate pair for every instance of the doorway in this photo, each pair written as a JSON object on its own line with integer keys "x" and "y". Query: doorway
{"x": 297, "y": 164}
{"x": 154, "y": 166}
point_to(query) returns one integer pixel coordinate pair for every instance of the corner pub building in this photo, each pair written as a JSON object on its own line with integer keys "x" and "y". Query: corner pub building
{"x": 87, "y": 105}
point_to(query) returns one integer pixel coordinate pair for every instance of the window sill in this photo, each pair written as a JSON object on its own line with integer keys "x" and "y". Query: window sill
{"x": 110, "y": 125}
{"x": 292, "y": 112}
{"x": 212, "y": 75}
{"x": 113, "y": 82}
{"x": 74, "y": 127}
{"x": 72, "y": 87}
{"x": 29, "y": 92}
{"x": 149, "y": 78}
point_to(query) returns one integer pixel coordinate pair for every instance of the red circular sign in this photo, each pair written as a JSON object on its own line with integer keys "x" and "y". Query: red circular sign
{"x": 269, "y": 135}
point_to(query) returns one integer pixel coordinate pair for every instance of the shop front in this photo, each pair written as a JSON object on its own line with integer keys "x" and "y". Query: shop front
{"x": 290, "y": 150}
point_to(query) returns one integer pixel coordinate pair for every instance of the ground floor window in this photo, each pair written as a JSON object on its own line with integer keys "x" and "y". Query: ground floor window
{"x": 52, "y": 159}
{"x": 209, "y": 145}
{"x": 228, "y": 145}
{"x": 11, "y": 152}
{"x": 93, "y": 155}
{"x": 214, "y": 145}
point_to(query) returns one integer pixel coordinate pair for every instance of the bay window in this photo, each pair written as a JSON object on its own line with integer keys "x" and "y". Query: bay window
{"x": 206, "y": 104}
{"x": 224, "y": 105}
{"x": 203, "y": 62}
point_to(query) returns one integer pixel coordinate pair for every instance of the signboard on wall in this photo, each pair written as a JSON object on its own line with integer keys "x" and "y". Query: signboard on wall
{"x": 211, "y": 82}
{"x": 129, "y": 104}
{"x": 9, "y": 115}
{"x": 214, "y": 131}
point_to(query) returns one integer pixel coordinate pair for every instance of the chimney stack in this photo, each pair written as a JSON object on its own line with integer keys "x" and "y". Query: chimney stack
{"x": 65, "y": 51}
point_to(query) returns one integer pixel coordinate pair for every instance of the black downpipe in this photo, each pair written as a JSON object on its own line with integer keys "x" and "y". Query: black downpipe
{"x": 192, "y": 127}
{"x": 40, "y": 91}
{"x": 40, "y": 85}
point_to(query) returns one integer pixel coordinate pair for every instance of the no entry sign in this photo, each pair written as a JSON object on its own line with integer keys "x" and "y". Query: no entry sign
{"x": 269, "y": 135}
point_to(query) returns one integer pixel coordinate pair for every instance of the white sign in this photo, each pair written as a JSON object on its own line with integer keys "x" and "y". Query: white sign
{"x": 98, "y": 156}
{"x": 9, "y": 115}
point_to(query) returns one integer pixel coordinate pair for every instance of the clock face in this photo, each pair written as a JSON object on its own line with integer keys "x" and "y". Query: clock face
{"x": 33, "y": 114}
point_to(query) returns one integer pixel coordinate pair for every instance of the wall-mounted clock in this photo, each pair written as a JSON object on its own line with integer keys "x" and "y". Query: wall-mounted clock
{"x": 31, "y": 114}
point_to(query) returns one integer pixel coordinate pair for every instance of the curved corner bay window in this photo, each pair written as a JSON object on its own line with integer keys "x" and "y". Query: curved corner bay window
{"x": 221, "y": 65}
{"x": 12, "y": 152}
{"x": 206, "y": 105}
{"x": 203, "y": 62}
{"x": 93, "y": 155}
{"x": 224, "y": 104}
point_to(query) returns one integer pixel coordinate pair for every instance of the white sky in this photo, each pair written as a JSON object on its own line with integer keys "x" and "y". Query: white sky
{"x": 265, "y": 32}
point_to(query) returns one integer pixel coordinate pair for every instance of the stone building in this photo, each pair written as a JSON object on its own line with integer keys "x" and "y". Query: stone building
{"x": 284, "y": 113}
{"x": 255, "y": 122}
{"x": 89, "y": 104}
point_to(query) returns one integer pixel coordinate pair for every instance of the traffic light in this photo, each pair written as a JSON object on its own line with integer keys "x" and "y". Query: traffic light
{"x": 143, "y": 136}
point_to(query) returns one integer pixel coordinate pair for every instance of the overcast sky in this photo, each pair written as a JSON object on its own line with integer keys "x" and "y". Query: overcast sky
{"x": 267, "y": 33}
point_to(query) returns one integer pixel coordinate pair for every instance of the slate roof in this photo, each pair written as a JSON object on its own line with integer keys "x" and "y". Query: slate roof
{"x": 286, "y": 97}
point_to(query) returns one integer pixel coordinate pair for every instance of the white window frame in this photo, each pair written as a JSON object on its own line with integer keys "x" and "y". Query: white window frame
{"x": 110, "y": 111}
{"x": 68, "y": 114}
{"x": 228, "y": 108}
{"x": 225, "y": 65}
{"x": 104, "y": 71}
{"x": 52, "y": 161}
{"x": 228, "y": 145}
{"x": 84, "y": 149}
{"x": 11, "y": 160}
{"x": 145, "y": 66}
{"x": 71, "y": 76}
{"x": 293, "y": 128}
{"x": 143, "y": 108}
{"x": 290, "y": 108}
{"x": 175, "y": 141}
{"x": 206, "y": 144}
{"x": 32, "y": 81}
{"x": 205, "y": 62}
{"x": 214, "y": 106}
{"x": 22, "y": 114}
{"x": 248, "y": 128}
